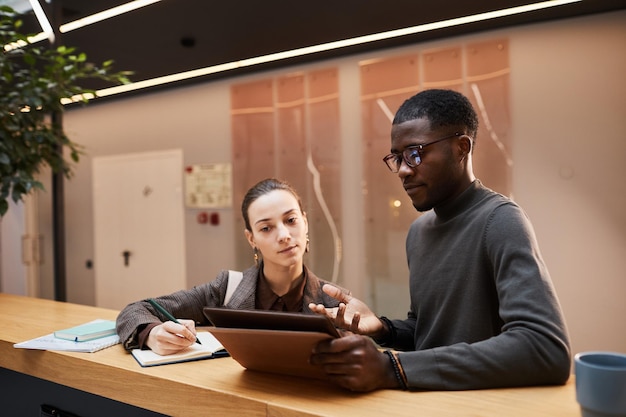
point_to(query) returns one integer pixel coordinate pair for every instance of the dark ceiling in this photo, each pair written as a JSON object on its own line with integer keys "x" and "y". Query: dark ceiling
{"x": 173, "y": 36}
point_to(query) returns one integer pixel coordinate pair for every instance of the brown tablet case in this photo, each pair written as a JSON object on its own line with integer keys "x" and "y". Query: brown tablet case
{"x": 271, "y": 341}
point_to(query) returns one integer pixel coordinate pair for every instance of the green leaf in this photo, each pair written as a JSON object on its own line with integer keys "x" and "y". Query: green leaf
{"x": 30, "y": 60}
{"x": 38, "y": 77}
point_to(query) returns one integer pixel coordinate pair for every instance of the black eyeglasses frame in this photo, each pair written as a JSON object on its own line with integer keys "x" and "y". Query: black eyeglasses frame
{"x": 394, "y": 162}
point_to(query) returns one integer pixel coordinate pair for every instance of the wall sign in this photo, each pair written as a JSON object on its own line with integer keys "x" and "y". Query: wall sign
{"x": 208, "y": 186}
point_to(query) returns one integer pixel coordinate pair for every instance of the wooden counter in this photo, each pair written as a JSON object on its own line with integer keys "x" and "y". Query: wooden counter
{"x": 222, "y": 387}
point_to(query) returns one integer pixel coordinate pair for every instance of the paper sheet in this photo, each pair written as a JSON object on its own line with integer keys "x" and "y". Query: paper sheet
{"x": 49, "y": 342}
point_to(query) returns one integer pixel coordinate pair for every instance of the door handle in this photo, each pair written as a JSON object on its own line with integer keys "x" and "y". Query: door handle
{"x": 126, "y": 254}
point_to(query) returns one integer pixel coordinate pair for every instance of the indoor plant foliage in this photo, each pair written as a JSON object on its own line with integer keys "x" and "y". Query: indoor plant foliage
{"x": 33, "y": 81}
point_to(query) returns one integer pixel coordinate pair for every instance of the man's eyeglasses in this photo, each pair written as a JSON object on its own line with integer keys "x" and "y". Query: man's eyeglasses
{"x": 411, "y": 155}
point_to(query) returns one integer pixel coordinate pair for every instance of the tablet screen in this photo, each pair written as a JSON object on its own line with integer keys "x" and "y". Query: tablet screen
{"x": 269, "y": 320}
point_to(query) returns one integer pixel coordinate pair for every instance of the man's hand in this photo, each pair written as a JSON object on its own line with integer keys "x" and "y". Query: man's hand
{"x": 354, "y": 362}
{"x": 352, "y": 313}
{"x": 170, "y": 337}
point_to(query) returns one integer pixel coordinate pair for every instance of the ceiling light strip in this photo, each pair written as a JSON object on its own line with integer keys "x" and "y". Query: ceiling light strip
{"x": 326, "y": 47}
{"x": 105, "y": 14}
{"x": 48, "y": 32}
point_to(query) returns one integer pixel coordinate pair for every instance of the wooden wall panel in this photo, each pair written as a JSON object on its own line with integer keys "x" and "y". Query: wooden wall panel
{"x": 443, "y": 68}
{"x": 277, "y": 125}
{"x": 488, "y": 88}
{"x": 291, "y": 135}
{"x": 253, "y": 147}
{"x": 324, "y": 175}
{"x": 385, "y": 84}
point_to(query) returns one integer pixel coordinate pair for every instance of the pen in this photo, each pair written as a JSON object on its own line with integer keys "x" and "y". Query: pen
{"x": 166, "y": 313}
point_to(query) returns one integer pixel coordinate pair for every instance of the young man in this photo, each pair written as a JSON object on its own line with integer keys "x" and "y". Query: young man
{"x": 483, "y": 310}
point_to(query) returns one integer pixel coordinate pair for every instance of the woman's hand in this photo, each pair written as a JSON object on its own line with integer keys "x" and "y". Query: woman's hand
{"x": 170, "y": 337}
{"x": 352, "y": 313}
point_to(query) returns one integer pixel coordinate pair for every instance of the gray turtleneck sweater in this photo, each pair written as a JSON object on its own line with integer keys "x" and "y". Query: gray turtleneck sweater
{"x": 483, "y": 309}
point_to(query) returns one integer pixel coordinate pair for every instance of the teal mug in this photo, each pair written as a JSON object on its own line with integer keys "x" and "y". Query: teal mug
{"x": 601, "y": 383}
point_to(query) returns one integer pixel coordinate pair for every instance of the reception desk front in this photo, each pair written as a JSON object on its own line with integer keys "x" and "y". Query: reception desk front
{"x": 92, "y": 384}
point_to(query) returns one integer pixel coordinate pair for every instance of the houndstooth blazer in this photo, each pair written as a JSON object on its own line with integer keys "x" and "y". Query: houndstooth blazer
{"x": 188, "y": 304}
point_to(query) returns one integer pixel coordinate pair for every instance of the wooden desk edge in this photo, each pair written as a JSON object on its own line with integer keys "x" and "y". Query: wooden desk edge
{"x": 151, "y": 392}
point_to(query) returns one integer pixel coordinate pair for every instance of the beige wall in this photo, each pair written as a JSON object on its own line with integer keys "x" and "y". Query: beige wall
{"x": 568, "y": 100}
{"x": 569, "y": 118}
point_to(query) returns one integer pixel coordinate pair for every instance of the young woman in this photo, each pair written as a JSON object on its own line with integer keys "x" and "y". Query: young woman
{"x": 276, "y": 228}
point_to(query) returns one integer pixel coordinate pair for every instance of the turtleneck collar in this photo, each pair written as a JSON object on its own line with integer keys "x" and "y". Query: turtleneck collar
{"x": 452, "y": 208}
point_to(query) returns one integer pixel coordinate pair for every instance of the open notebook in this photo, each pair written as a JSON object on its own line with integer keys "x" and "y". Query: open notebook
{"x": 209, "y": 349}
{"x": 271, "y": 341}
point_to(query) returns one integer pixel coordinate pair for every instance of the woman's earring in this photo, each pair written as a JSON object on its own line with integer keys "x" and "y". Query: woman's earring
{"x": 256, "y": 257}
{"x": 306, "y": 248}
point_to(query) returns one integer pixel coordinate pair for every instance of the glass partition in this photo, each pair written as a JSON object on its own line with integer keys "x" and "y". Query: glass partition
{"x": 289, "y": 126}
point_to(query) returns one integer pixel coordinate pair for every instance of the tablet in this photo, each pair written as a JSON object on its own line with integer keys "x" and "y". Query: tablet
{"x": 269, "y": 320}
{"x": 270, "y": 341}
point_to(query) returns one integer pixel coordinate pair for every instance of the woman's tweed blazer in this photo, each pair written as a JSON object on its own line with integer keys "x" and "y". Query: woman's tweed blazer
{"x": 188, "y": 304}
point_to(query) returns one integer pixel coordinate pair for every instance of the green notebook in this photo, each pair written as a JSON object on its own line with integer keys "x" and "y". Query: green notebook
{"x": 88, "y": 331}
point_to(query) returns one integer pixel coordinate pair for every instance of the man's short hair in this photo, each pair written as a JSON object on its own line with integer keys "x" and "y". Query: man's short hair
{"x": 442, "y": 108}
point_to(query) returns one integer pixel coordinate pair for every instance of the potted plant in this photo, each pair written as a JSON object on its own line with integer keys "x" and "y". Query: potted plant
{"x": 34, "y": 79}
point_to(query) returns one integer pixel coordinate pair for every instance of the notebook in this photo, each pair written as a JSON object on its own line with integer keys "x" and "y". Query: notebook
{"x": 50, "y": 342}
{"x": 209, "y": 349}
{"x": 93, "y": 330}
{"x": 270, "y": 341}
